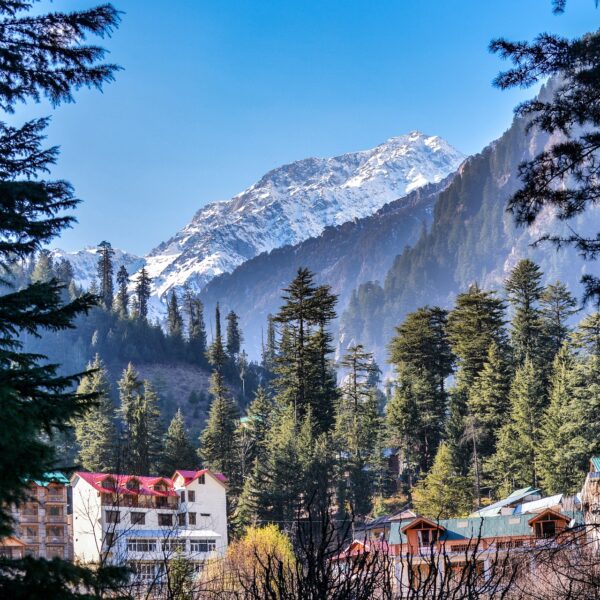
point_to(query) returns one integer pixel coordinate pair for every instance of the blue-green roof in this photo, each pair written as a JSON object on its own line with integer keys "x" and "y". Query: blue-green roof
{"x": 52, "y": 476}
{"x": 596, "y": 463}
{"x": 475, "y": 527}
{"x": 515, "y": 497}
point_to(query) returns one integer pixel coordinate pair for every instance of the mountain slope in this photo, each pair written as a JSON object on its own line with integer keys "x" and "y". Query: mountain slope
{"x": 343, "y": 256}
{"x": 295, "y": 202}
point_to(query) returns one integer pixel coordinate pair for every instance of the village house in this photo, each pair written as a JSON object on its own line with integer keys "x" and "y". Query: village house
{"x": 413, "y": 543}
{"x": 43, "y": 523}
{"x": 146, "y": 521}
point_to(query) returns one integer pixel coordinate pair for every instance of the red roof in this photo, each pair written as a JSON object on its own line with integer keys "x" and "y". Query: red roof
{"x": 360, "y": 547}
{"x": 97, "y": 481}
{"x": 190, "y": 476}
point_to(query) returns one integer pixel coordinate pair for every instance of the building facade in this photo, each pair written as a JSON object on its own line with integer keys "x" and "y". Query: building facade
{"x": 43, "y": 523}
{"x": 147, "y": 521}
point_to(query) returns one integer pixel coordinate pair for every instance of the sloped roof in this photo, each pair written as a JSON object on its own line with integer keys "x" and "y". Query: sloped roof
{"x": 189, "y": 476}
{"x": 52, "y": 477}
{"x": 537, "y": 505}
{"x": 595, "y": 463}
{"x": 97, "y": 481}
{"x": 514, "y": 498}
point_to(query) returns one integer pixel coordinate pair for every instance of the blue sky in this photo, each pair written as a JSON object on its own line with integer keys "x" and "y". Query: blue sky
{"x": 214, "y": 93}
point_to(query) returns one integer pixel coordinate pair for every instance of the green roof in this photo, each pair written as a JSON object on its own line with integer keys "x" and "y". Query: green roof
{"x": 475, "y": 527}
{"x": 52, "y": 476}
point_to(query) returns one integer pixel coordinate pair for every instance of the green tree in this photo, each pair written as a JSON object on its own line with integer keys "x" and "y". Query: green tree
{"x": 44, "y": 268}
{"x": 142, "y": 431}
{"x": 142, "y": 292}
{"x": 563, "y": 448}
{"x": 234, "y": 336}
{"x": 194, "y": 312}
{"x": 216, "y": 352}
{"x": 269, "y": 349}
{"x": 517, "y": 460}
{"x": 304, "y": 376}
{"x": 476, "y": 322}
{"x": 420, "y": 352}
{"x": 105, "y": 273}
{"x": 557, "y": 306}
{"x": 122, "y": 294}
{"x": 174, "y": 319}
{"x": 587, "y": 336}
{"x": 444, "y": 492}
{"x": 178, "y": 451}
{"x": 524, "y": 291}
{"x": 45, "y": 56}
{"x": 95, "y": 430}
{"x": 564, "y": 176}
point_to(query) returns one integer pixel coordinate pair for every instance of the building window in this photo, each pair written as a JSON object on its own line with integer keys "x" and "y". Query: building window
{"x": 145, "y": 571}
{"x": 161, "y": 502}
{"x": 138, "y": 518}
{"x": 173, "y": 545}
{"x": 192, "y": 495}
{"x": 141, "y": 545}
{"x": 55, "y": 552}
{"x": 113, "y": 516}
{"x": 30, "y": 533}
{"x": 203, "y": 545}
{"x": 182, "y": 495}
{"x": 545, "y": 529}
{"x": 427, "y": 537}
{"x": 31, "y": 551}
{"x": 109, "y": 483}
{"x": 165, "y": 520}
{"x": 133, "y": 484}
{"x": 181, "y": 519}
{"x": 192, "y": 518}
{"x": 55, "y": 532}
{"x": 205, "y": 514}
{"x": 55, "y": 511}
{"x": 109, "y": 539}
{"x": 202, "y": 479}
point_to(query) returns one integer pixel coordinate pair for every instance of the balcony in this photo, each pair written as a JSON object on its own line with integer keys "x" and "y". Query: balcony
{"x": 29, "y": 539}
{"x": 56, "y": 518}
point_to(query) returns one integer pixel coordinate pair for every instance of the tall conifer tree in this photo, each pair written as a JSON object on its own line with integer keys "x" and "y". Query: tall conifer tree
{"x": 105, "y": 273}
{"x": 174, "y": 319}
{"x": 95, "y": 431}
{"x": 122, "y": 294}
{"x": 142, "y": 293}
{"x": 557, "y": 306}
{"x": 234, "y": 336}
{"x": 178, "y": 451}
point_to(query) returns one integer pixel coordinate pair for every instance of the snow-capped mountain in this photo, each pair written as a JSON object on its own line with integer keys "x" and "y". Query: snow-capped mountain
{"x": 295, "y": 202}
{"x": 85, "y": 263}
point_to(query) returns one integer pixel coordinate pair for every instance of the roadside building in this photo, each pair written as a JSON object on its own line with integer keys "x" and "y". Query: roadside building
{"x": 43, "y": 521}
{"x": 147, "y": 521}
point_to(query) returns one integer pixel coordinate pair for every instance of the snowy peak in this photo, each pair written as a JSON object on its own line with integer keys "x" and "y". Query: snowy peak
{"x": 286, "y": 206}
{"x": 294, "y": 202}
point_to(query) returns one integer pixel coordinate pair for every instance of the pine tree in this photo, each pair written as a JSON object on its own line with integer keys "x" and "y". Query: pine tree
{"x": 46, "y": 56}
{"x": 194, "y": 311}
{"x": 356, "y": 427}
{"x": 216, "y": 352}
{"x": 178, "y": 451}
{"x": 44, "y": 268}
{"x": 476, "y": 322}
{"x": 95, "y": 431}
{"x": 219, "y": 441}
{"x": 258, "y": 424}
{"x": 524, "y": 292}
{"x": 269, "y": 350}
{"x": 122, "y": 294}
{"x": 563, "y": 447}
{"x": 142, "y": 432}
{"x": 420, "y": 352}
{"x": 174, "y": 319}
{"x": 304, "y": 374}
{"x": 142, "y": 292}
{"x": 444, "y": 493}
{"x": 234, "y": 336}
{"x": 557, "y": 306}
{"x": 105, "y": 273}
{"x": 63, "y": 270}
{"x": 516, "y": 461}
{"x": 488, "y": 399}
{"x": 587, "y": 335}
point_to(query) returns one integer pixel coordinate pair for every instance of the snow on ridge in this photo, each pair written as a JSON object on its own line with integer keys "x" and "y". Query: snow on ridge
{"x": 288, "y": 205}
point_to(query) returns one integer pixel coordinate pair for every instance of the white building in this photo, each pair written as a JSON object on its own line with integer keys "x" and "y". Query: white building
{"x": 146, "y": 521}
